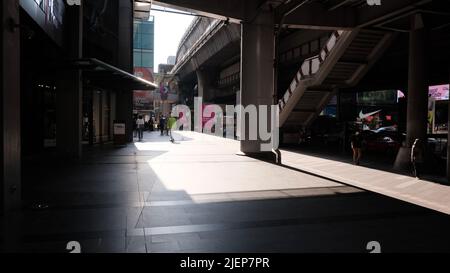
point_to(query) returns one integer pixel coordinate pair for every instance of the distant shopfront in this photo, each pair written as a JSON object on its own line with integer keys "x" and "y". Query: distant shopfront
{"x": 438, "y": 109}
{"x": 99, "y": 110}
{"x": 373, "y": 110}
{"x": 378, "y": 109}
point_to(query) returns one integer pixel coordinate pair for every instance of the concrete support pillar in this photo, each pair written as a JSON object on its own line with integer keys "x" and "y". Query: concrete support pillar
{"x": 10, "y": 150}
{"x": 124, "y": 111}
{"x": 69, "y": 92}
{"x": 205, "y": 81}
{"x": 417, "y": 95}
{"x": 417, "y": 99}
{"x": 125, "y": 43}
{"x": 124, "y": 105}
{"x": 257, "y": 72}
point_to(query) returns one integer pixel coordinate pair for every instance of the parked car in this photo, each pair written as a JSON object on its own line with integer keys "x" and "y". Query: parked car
{"x": 385, "y": 140}
{"x": 381, "y": 143}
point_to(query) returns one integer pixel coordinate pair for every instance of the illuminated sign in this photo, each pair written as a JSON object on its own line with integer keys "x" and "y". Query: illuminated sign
{"x": 74, "y": 2}
{"x": 374, "y": 2}
{"x": 439, "y": 92}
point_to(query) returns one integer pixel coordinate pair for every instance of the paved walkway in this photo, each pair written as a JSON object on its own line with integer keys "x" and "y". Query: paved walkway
{"x": 197, "y": 195}
{"x": 406, "y": 188}
{"x": 231, "y": 176}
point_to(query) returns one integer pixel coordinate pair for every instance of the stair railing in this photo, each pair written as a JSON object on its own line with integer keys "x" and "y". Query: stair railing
{"x": 310, "y": 67}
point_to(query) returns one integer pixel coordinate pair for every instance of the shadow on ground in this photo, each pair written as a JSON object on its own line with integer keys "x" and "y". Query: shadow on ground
{"x": 115, "y": 201}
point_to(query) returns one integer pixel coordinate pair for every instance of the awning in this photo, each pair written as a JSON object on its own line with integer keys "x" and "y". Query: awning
{"x": 142, "y": 9}
{"x": 107, "y": 76}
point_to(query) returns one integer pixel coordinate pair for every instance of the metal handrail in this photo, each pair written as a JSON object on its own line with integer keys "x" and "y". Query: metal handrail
{"x": 310, "y": 67}
{"x": 298, "y": 51}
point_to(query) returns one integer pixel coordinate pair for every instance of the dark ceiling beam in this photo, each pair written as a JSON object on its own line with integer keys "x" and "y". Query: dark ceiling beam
{"x": 440, "y": 6}
{"x": 310, "y": 14}
{"x": 317, "y": 16}
{"x": 289, "y": 6}
{"x": 370, "y": 15}
{"x": 339, "y": 4}
{"x": 234, "y": 10}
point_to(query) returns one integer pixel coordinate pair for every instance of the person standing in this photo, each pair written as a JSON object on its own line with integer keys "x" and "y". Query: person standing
{"x": 162, "y": 124}
{"x": 356, "y": 142}
{"x": 417, "y": 158}
{"x": 151, "y": 123}
{"x": 166, "y": 126}
{"x": 170, "y": 126}
{"x": 140, "y": 124}
{"x": 135, "y": 128}
{"x": 302, "y": 133}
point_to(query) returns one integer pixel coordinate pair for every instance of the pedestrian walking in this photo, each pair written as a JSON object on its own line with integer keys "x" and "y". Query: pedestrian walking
{"x": 135, "y": 128}
{"x": 302, "y": 133}
{"x": 162, "y": 124}
{"x": 151, "y": 123}
{"x": 170, "y": 126}
{"x": 417, "y": 158}
{"x": 140, "y": 124}
{"x": 356, "y": 143}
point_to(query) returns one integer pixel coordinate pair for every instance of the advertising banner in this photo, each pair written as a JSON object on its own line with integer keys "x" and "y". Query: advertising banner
{"x": 438, "y": 109}
{"x": 143, "y": 100}
{"x": 439, "y": 92}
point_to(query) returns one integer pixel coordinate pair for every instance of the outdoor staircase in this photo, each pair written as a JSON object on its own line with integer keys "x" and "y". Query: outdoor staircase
{"x": 342, "y": 62}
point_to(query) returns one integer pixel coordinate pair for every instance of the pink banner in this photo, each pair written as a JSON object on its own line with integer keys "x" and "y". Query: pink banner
{"x": 439, "y": 92}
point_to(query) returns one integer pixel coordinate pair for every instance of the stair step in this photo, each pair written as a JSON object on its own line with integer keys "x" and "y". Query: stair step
{"x": 352, "y": 63}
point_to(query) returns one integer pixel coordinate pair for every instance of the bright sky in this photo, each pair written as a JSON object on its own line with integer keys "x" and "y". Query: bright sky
{"x": 169, "y": 29}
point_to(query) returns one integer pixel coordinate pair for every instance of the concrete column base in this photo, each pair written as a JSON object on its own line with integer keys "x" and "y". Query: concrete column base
{"x": 271, "y": 157}
{"x": 403, "y": 160}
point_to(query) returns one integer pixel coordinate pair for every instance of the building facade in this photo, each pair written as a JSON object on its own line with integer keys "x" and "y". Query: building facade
{"x": 143, "y": 56}
{"x": 167, "y": 94}
{"x": 69, "y": 77}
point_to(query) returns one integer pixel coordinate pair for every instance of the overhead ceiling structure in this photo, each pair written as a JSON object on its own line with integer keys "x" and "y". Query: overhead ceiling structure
{"x": 316, "y": 14}
{"x": 330, "y": 15}
{"x": 230, "y": 9}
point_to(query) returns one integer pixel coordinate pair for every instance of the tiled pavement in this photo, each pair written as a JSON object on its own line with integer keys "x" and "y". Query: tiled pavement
{"x": 420, "y": 192}
{"x": 197, "y": 196}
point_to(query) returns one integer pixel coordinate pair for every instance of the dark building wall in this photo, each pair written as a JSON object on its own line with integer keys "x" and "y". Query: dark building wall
{"x": 108, "y": 32}
{"x": 69, "y": 91}
{"x": 125, "y": 61}
{"x": 38, "y": 54}
{"x": 125, "y": 35}
{"x": 101, "y": 35}
{"x": 10, "y": 109}
{"x": 40, "y": 44}
{"x": 48, "y": 112}
{"x": 49, "y": 15}
{"x": 107, "y": 35}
